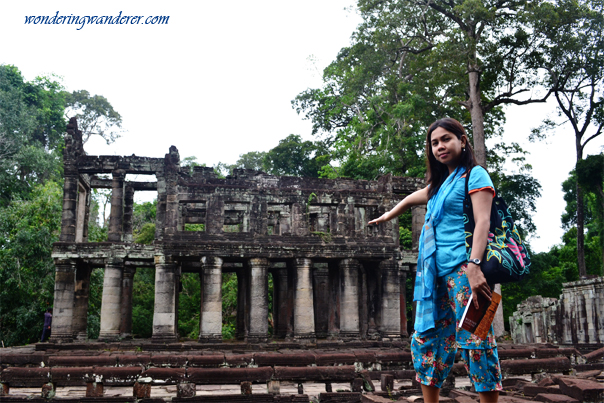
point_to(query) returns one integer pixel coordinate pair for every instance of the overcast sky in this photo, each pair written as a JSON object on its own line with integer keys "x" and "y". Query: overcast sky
{"x": 216, "y": 81}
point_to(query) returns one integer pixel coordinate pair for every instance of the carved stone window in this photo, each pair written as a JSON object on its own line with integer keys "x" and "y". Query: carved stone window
{"x": 236, "y": 217}
{"x": 362, "y": 215}
{"x": 194, "y": 215}
{"x": 279, "y": 219}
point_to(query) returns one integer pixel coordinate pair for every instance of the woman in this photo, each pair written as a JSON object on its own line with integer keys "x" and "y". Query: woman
{"x": 445, "y": 276}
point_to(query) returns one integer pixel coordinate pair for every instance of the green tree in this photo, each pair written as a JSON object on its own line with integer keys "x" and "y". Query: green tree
{"x": 28, "y": 228}
{"x": 96, "y": 116}
{"x": 31, "y": 128}
{"x": 294, "y": 157}
{"x": 573, "y": 55}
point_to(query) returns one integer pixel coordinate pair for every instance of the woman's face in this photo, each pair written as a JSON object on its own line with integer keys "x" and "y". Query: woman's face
{"x": 446, "y": 147}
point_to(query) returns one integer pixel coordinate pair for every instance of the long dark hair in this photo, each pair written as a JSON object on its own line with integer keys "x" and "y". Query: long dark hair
{"x": 437, "y": 172}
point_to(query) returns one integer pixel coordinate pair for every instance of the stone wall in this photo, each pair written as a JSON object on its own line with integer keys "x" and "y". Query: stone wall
{"x": 334, "y": 276}
{"x": 577, "y": 317}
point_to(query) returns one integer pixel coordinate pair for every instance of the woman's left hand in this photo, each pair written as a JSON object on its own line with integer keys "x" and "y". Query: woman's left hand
{"x": 478, "y": 282}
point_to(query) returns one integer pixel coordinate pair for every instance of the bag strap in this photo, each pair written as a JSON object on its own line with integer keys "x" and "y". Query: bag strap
{"x": 468, "y": 180}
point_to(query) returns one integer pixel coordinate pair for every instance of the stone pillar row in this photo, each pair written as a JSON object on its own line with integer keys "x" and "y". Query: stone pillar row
{"x": 339, "y": 300}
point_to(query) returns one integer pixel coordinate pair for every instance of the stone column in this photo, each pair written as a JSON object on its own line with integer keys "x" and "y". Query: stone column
{"x": 62, "y": 320}
{"x": 333, "y": 324}
{"x": 69, "y": 215}
{"x": 210, "y": 322}
{"x": 304, "y": 315}
{"x": 418, "y": 214}
{"x": 349, "y": 299}
{"x": 373, "y": 300}
{"x": 165, "y": 327}
{"x": 127, "y": 285}
{"x": 390, "y": 327}
{"x": 258, "y": 326}
{"x": 243, "y": 311}
{"x": 81, "y": 214}
{"x": 128, "y": 213}
{"x": 403, "y": 301}
{"x": 280, "y": 302}
{"x": 321, "y": 300}
{"x": 115, "y": 233}
{"x": 80, "y": 308}
{"x": 111, "y": 305}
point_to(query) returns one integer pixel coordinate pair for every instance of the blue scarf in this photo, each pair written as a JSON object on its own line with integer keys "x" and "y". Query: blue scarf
{"x": 425, "y": 280}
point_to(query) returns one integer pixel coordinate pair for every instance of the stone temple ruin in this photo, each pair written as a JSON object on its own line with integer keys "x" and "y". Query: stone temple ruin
{"x": 339, "y": 319}
{"x": 577, "y": 317}
{"x": 334, "y": 277}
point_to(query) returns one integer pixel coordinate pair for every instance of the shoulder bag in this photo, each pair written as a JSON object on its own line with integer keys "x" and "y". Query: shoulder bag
{"x": 506, "y": 258}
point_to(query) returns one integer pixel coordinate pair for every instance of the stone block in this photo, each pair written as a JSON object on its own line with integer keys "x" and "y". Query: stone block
{"x": 168, "y": 360}
{"x": 387, "y": 383}
{"x": 594, "y": 356}
{"x": 23, "y": 359}
{"x": 246, "y": 388}
{"x": 357, "y": 385}
{"x": 340, "y": 397}
{"x": 82, "y": 361}
{"x": 403, "y": 374}
{"x": 301, "y": 359}
{"x": 222, "y": 376}
{"x": 546, "y": 382}
{"x": 116, "y": 376}
{"x": 273, "y": 387}
{"x": 142, "y": 360}
{"x": 551, "y": 398}
{"x": 4, "y": 389}
{"x": 210, "y": 360}
{"x": 238, "y": 359}
{"x": 25, "y": 377}
{"x": 94, "y": 389}
{"x": 142, "y": 390}
{"x": 70, "y": 376}
{"x": 365, "y": 357}
{"x": 533, "y": 390}
{"x": 334, "y": 359}
{"x": 185, "y": 389}
{"x": 581, "y": 389}
{"x": 48, "y": 390}
{"x": 515, "y": 353}
{"x": 522, "y": 367}
{"x": 393, "y": 357}
{"x": 166, "y": 376}
{"x": 368, "y": 385}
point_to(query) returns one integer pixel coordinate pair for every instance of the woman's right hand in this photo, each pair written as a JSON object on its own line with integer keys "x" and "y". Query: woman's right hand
{"x": 382, "y": 218}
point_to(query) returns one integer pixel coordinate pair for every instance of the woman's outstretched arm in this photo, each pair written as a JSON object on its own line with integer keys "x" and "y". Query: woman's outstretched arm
{"x": 414, "y": 199}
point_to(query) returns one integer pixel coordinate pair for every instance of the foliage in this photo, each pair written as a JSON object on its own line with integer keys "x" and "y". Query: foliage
{"x": 95, "y": 298}
{"x": 549, "y": 270}
{"x": 189, "y": 304}
{"x": 404, "y": 230}
{"x": 143, "y": 299}
{"x": 573, "y": 55}
{"x": 31, "y": 128}
{"x": 28, "y": 228}
{"x": 96, "y": 116}
{"x": 294, "y": 157}
{"x": 229, "y": 306}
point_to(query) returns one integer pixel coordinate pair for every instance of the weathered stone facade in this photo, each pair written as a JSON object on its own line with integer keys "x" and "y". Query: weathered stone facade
{"x": 333, "y": 275}
{"x": 576, "y": 318}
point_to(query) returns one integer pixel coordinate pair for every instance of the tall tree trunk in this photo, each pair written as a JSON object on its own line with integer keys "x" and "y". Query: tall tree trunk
{"x": 475, "y": 106}
{"x": 580, "y": 233}
{"x": 480, "y": 152}
{"x": 580, "y": 213}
